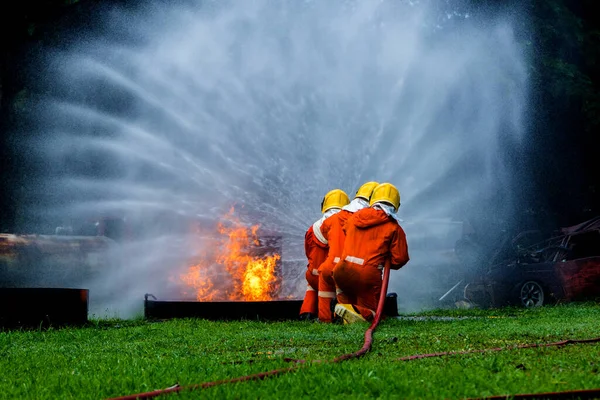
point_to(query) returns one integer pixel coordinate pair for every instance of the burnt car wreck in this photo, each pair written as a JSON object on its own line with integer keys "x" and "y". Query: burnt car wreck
{"x": 529, "y": 270}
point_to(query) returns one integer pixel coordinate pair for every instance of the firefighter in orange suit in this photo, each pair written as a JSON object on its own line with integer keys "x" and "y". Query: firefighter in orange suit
{"x": 374, "y": 239}
{"x": 315, "y": 247}
{"x": 332, "y": 231}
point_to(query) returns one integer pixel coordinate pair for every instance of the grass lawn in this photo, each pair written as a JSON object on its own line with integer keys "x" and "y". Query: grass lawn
{"x": 115, "y": 358}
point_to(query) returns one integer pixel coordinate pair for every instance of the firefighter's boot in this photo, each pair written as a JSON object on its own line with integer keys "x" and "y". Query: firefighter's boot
{"x": 348, "y": 314}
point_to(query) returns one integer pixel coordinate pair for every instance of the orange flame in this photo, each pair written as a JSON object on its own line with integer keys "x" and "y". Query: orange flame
{"x": 232, "y": 272}
{"x": 258, "y": 278}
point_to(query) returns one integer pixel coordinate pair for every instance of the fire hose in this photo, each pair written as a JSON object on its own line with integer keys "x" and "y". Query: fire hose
{"x": 275, "y": 372}
{"x": 522, "y": 346}
{"x": 594, "y": 393}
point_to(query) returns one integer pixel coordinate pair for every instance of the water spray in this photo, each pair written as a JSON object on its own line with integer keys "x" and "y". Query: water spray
{"x": 267, "y": 105}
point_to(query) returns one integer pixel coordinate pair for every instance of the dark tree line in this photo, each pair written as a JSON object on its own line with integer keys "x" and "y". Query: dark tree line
{"x": 565, "y": 114}
{"x": 560, "y": 184}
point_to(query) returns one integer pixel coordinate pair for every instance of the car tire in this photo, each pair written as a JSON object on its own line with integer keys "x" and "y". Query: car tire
{"x": 531, "y": 294}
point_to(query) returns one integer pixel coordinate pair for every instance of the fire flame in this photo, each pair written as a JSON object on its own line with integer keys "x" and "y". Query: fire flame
{"x": 232, "y": 272}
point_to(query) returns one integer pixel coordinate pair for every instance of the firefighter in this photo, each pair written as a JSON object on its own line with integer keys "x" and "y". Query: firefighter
{"x": 315, "y": 247}
{"x": 332, "y": 231}
{"x": 374, "y": 239}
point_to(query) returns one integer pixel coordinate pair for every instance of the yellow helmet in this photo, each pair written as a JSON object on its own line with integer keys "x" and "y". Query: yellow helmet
{"x": 387, "y": 193}
{"x": 334, "y": 199}
{"x": 365, "y": 191}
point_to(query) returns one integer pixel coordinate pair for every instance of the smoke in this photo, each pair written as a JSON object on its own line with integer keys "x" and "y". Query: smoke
{"x": 174, "y": 114}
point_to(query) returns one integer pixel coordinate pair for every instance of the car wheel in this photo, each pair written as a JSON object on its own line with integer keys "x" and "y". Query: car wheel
{"x": 531, "y": 294}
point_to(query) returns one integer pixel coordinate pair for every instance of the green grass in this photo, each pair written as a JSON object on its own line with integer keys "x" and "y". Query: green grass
{"x": 113, "y": 358}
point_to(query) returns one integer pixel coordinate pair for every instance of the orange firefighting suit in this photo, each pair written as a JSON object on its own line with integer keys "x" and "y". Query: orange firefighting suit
{"x": 316, "y": 252}
{"x": 372, "y": 239}
{"x": 332, "y": 231}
